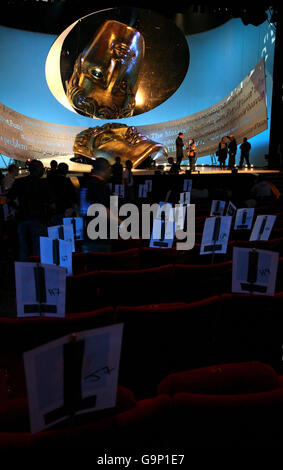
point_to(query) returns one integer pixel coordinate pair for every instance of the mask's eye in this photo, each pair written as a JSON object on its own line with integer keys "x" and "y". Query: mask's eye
{"x": 96, "y": 73}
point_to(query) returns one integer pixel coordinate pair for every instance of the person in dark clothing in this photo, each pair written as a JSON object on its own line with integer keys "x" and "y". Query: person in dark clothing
{"x": 174, "y": 168}
{"x": 128, "y": 181}
{"x": 1, "y": 178}
{"x": 65, "y": 194}
{"x": 191, "y": 150}
{"x": 222, "y": 152}
{"x": 98, "y": 192}
{"x": 179, "y": 149}
{"x": 245, "y": 153}
{"x": 232, "y": 150}
{"x": 53, "y": 170}
{"x": 9, "y": 179}
{"x": 117, "y": 171}
{"x": 33, "y": 199}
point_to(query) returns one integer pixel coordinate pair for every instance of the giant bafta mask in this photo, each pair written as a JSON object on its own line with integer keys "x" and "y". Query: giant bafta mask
{"x": 106, "y": 75}
{"x": 117, "y": 63}
{"x": 117, "y": 140}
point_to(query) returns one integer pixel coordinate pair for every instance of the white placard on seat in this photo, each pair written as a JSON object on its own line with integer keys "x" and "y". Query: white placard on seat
{"x": 187, "y": 186}
{"x": 262, "y": 227}
{"x": 40, "y": 290}
{"x": 215, "y": 235}
{"x": 244, "y": 218}
{"x": 56, "y": 252}
{"x": 163, "y": 232}
{"x": 63, "y": 232}
{"x": 217, "y": 208}
{"x": 231, "y": 209}
{"x": 254, "y": 271}
{"x": 73, "y": 375}
{"x": 185, "y": 198}
{"x": 78, "y": 226}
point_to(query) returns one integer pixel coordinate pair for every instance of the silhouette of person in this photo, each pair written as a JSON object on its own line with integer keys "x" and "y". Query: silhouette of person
{"x": 35, "y": 201}
{"x": 245, "y": 153}
{"x": 179, "y": 149}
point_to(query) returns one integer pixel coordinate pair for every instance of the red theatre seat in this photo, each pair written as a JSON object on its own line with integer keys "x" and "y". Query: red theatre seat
{"x": 250, "y": 327}
{"x": 22, "y": 334}
{"x": 143, "y": 424}
{"x": 120, "y": 244}
{"x": 152, "y": 257}
{"x": 122, "y": 427}
{"x": 122, "y": 260}
{"x": 226, "y": 405}
{"x": 159, "y": 339}
{"x": 274, "y": 244}
{"x": 193, "y": 282}
{"x": 133, "y": 287}
{"x": 82, "y": 292}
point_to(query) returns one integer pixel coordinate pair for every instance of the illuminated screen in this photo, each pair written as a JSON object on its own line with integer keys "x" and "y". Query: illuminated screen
{"x": 220, "y": 59}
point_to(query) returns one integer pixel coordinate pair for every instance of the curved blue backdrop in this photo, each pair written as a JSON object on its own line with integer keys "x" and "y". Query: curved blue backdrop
{"x": 219, "y": 60}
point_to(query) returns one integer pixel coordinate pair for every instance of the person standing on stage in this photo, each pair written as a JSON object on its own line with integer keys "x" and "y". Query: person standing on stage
{"x": 179, "y": 149}
{"x": 245, "y": 153}
{"x": 191, "y": 151}
{"x": 9, "y": 179}
{"x": 232, "y": 150}
{"x": 222, "y": 152}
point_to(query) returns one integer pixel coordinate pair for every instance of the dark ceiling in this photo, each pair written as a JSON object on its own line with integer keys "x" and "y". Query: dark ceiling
{"x": 52, "y": 17}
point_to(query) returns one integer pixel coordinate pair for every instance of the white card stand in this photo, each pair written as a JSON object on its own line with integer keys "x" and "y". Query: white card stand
{"x": 231, "y": 209}
{"x": 163, "y": 232}
{"x": 148, "y": 184}
{"x": 84, "y": 203}
{"x": 179, "y": 215}
{"x": 120, "y": 190}
{"x": 187, "y": 186}
{"x": 63, "y": 232}
{"x": 262, "y": 227}
{"x": 40, "y": 290}
{"x": 254, "y": 271}
{"x": 56, "y": 252}
{"x": 215, "y": 235}
{"x": 185, "y": 198}
{"x": 217, "y": 208}
{"x": 72, "y": 375}
{"x": 78, "y": 226}
{"x": 142, "y": 194}
{"x": 244, "y": 219}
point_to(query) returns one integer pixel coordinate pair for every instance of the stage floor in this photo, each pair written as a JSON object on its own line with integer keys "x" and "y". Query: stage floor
{"x": 207, "y": 170}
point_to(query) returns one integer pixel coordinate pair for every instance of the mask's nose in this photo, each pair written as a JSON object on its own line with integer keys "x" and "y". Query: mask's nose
{"x": 119, "y": 63}
{"x": 115, "y": 76}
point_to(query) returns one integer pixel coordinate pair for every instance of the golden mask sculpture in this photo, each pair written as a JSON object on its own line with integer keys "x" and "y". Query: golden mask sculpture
{"x": 117, "y": 140}
{"x": 117, "y": 63}
{"x": 106, "y": 75}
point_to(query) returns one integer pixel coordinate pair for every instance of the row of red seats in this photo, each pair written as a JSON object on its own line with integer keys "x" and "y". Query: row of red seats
{"x": 162, "y": 338}
{"x": 142, "y": 257}
{"x": 165, "y": 283}
{"x": 231, "y": 405}
{"x": 169, "y": 283}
